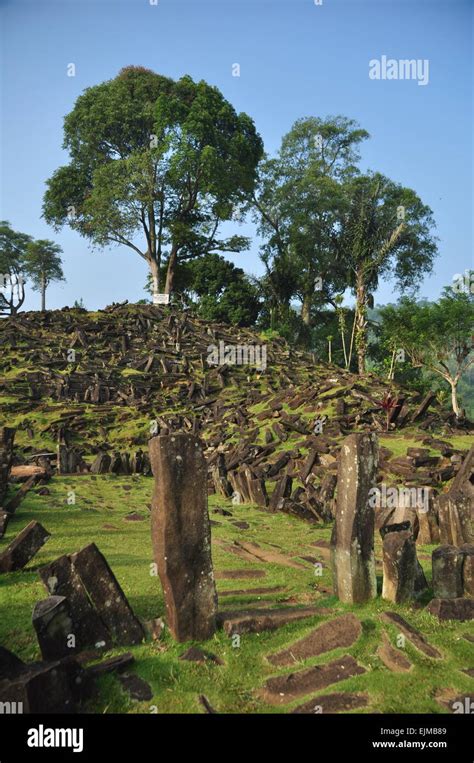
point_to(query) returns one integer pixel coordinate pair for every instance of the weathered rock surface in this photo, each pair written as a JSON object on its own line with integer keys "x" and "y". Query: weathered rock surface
{"x": 452, "y": 609}
{"x": 341, "y": 632}
{"x": 447, "y": 564}
{"x": 23, "y": 548}
{"x": 338, "y": 702}
{"x": 283, "y": 689}
{"x": 181, "y": 536}
{"x": 392, "y": 658}
{"x": 411, "y": 633}
{"x": 54, "y": 627}
{"x": 255, "y": 621}
{"x": 352, "y": 541}
{"x": 399, "y": 566}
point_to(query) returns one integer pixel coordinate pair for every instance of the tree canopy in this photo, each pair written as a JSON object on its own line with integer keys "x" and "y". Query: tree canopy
{"x": 155, "y": 165}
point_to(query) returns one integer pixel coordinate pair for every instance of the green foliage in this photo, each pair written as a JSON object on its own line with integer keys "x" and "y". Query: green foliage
{"x": 42, "y": 263}
{"x": 437, "y": 336}
{"x": 12, "y": 255}
{"x": 217, "y": 290}
{"x": 299, "y": 207}
{"x": 162, "y": 160}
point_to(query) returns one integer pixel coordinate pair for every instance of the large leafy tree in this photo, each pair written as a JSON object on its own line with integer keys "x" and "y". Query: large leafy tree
{"x": 42, "y": 263}
{"x": 12, "y": 255}
{"x": 217, "y": 290}
{"x": 437, "y": 336}
{"x": 155, "y": 165}
{"x": 300, "y": 204}
{"x": 386, "y": 232}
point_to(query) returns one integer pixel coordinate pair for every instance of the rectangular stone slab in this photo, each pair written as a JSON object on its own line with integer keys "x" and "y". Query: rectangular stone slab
{"x": 181, "y": 535}
{"x": 411, "y": 633}
{"x": 255, "y": 620}
{"x": 352, "y": 542}
{"x": 23, "y": 548}
{"x": 334, "y": 634}
{"x": 107, "y": 596}
{"x": 283, "y": 689}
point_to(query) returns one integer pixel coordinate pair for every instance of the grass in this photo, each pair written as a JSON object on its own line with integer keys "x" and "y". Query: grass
{"x": 231, "y": 688}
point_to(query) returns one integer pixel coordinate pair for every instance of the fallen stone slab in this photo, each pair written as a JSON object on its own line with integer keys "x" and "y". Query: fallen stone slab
{"x": 137, "y": 687}
{"x": 60, "y": 578}
{"x": 252, "y": 591}
{"x": 113, "y": 664}
{"x": 181, "y": 535}
{"x": 334, "y": 634}
{"x": 54, "y": 627}
{"x": 338, "y": 702}
{"x": 239, "y": 574}
{"x": 452, "y": 609}
{"x": 107, "y": 596}
{"x": 265, "y": 555}
{"x": 256, "y": 620}
{"x": 23, "y": 548}
{"x": 45, "y": 687}
{"x": 12, "y": 505}
{"x": 284, "y": 689}
{"x": 411, "y": 633}
{"x": 392, "y": 658}
{"x": 134, "y": 516}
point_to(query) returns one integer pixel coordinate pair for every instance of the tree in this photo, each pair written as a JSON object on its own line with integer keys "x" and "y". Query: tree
{"x": 42, "y": 263}
{"x": 300, "y": 205}
{"x": 436, "y": 336}
{"x": 218, "y": 290}
{"x": 12, "y": 283}
{"x": 386, "y": 232}
{"x": 160, "y": 160}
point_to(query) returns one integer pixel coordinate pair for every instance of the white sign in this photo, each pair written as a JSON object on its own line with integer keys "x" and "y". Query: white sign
{"x": 161, "y": 299}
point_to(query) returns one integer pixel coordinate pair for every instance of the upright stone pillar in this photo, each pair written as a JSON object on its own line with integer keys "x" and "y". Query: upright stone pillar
{"x": 352, "y": 542}
{"x": 399, "y": 566}
{"x": 181, "y": 535}
{"x": 447, "y": 564}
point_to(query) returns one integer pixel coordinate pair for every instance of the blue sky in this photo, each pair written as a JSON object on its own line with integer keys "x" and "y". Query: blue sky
{"x": 297, "y": 59}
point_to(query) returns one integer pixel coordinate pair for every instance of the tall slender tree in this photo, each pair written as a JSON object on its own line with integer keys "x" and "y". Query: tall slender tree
{"x": 42, "y": 263}
{"x": 387, "y": 231}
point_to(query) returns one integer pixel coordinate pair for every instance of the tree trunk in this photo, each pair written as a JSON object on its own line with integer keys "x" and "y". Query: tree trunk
{"x": 172, "y": 262}
{"x": 155, "y": 278}
{"x": 454, "y": 398}
{"x": 361, "y": 322}
{"x": 43, "y": 294}
{"x": 306, "y": 310}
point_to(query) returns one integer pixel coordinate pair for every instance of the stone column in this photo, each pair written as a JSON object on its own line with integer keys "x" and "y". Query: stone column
{"x": 352, "y": 542}
{"x": 181, "y": 535}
